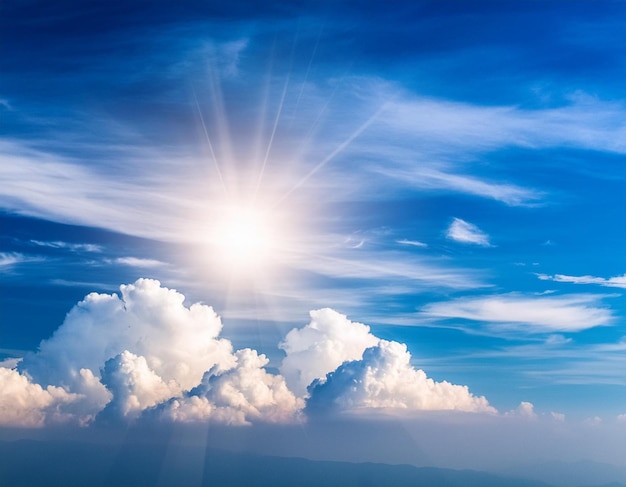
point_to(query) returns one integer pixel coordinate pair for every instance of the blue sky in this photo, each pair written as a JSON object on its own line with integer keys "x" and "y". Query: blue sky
{"x": 449, "y": 174}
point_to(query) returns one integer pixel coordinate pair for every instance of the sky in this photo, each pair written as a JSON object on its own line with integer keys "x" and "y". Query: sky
{"x": 320, "y": 216}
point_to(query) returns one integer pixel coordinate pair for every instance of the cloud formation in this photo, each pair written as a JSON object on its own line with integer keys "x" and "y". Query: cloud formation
{"x": 537, "y": 314}
{"x": 464, "y": 232}
{"x": 318, "y": 348}
{"x": 74, "y": 247}
{"x": 137, "y": 262}
{"x": 25, "y": 404}
{"x": 617, "y": 281}
{"x": 148, "y": 320}
{"x": 134, "y": 385}
{"x": 143, "y": 353}
{"x": 9, "y": 259}
{"x": 243, "y": 394}
{"x": 525, "y": 410}
{"x": 384, "y": 378}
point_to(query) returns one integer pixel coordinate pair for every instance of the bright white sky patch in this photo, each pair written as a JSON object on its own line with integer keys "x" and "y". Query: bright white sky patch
{"x": 244, "y": 237}
{"x": 538, "y": 314}
{"x": 466, "y": 232}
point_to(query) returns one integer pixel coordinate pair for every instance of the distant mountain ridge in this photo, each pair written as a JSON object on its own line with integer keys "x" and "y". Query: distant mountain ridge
{"x": 583, "y": 473}
{"x": 55, "y": 464}
{"x": 72, "y": 464}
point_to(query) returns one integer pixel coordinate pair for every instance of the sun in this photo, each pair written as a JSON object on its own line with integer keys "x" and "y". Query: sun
{"x": 244, "y": 237}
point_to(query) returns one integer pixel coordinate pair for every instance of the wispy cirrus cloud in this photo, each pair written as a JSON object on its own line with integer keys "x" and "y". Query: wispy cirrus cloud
{"x": 465, "y": 232}
{"x": 137, "y": 262}
{"x": 389, "y": 265}
{"x": 455, "y": 125}
{"x": 10, "y": 259}
{"x": 535, "y": 314}
{"x": 617, "y": 281}
{"x": 445, "y": 177}
{"x": 411, "y": 243}
{"x": 74, "y": 247}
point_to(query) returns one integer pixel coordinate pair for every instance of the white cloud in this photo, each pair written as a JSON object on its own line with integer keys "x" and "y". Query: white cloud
{"x": 384, "y": 378}
{"x": 560, "y": 417}
{"x": 25, "y": 404}
{"x": 524, "y": 410}
{"x": 465, "y": 232}
{"x": 618, "y": 281}
{"x": 10, "y": 259}
{"x": 9, "y": 363}
{"x": 134, "y": 385}
{"x": 375, "y": 265}
{"x": 412, "y": 243}
{"x": 243, "y": 394}
{"x": 45, "y": 185}
{"x": 145, "y": 352}
{"x": 462, "y": 126}
{"x": 137, "y": 262}
{"x": 535, "y": 313}
{"x": 621, "y": 417}
{"x": 557, "y": 340}
{"x": 80, "y": 247}
{"x": 119, "y": 356}
{"x": 178, "y": 343}
{"x": 434, "y": 178}
{"x": 321, "y": 346}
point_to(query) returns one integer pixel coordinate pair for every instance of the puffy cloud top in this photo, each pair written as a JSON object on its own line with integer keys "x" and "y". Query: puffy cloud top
{"x": 320, "y": 347}
{"x": 148, "y": 320}
{"x": 384, "y": 378}
{"x": 144, "y": 352}
{"x": 23, "y": 403}
{"x": 244, "y": 393}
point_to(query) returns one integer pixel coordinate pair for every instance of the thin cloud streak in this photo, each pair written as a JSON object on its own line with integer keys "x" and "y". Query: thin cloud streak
{"x": 412, "y": 243}
{"x": 138, "y": 262}
{"x": 617, "y": 281}
{"x": 10, "y": 259}
{"x": 74, "y": 247}
{"x": 469, "y": 127}
{"x": 533, "y": 314}
{"x": 388, "y": 265}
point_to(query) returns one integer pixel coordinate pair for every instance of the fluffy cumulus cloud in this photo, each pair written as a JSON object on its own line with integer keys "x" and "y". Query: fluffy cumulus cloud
{"x": 178, "y": 343}
{"x": 465, "y": 232}
{"x": 143, "y": 353}
{"x": 134, "y": 385}
{"x": 245, "y": 393}
{"x": 23, "y": 403}
{"x": 384, "y": 378}
{"x": 313, "y": 351}
{"x": 524, "y": 410}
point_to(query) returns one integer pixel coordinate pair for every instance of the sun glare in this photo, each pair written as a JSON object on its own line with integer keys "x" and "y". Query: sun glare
{"x": 244, "y": 238}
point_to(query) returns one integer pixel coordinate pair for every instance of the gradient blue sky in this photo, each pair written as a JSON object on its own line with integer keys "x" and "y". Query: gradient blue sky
{"x": 449, "y": 173}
